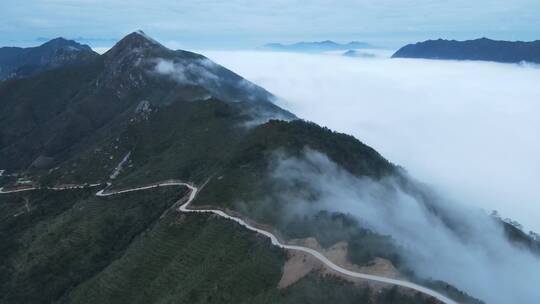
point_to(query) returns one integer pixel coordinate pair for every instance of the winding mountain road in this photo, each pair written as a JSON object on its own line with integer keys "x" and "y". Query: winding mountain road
{"x": 192, "y": 195}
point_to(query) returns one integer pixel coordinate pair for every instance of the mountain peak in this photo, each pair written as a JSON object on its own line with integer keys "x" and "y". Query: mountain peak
{"x": 58, "y": 52}
{"x": 142, "y": 35}
{"x": 137, "y": 44}
{"x": 58, "y": 40}
{"x": 139, "y": 39}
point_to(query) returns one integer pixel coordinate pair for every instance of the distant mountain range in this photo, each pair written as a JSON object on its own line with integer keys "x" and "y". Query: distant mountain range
{"x": 317, "y": 46}
{"x": 358, "y": 54}
{"x": 478, "y": 49}
{"x": 18, "y": 62}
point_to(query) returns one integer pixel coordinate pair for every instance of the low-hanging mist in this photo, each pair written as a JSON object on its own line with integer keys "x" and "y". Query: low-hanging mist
{"x": 468, "y": 128}
{"x": 472, "y": 253}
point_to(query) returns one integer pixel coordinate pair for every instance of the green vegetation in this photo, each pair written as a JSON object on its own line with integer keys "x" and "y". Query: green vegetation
{"x": 72, "y": 247}
{"x": 6, "y": 180}
{"x": 244, "y": 177}
{"x": 330, "y": 228}
{"x": 193, "y": 141}
{"x": 188, "y": 259}
{"x": 188, "y": 141}
{"x": 322, "y": 290}
{"x": 53, "y": 241}
{"x": 451, "y": 291}
{"x": 201, "y": 139}
{"x": 38, "y": 114}
{"x": 59, "y": 114}
{"x": 244, "y": 184}
{"x": 516, "y": 235}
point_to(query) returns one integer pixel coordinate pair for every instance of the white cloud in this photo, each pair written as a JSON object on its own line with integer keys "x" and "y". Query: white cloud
{"x": 188, "y": 72}
{"x": 478, "y": 259}
{"x": 468, "y": 128}
{"x": 101, "y": 50}
{"x": 165, "y": 67}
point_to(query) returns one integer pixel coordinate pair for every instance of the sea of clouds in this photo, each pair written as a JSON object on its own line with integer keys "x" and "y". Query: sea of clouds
{"x": 470, "y": 129}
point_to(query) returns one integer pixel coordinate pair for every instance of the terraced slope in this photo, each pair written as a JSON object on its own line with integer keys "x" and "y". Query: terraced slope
{"x": 53, "y": 241}
{"x": 72, "y": 247}
{"x": 204, "y": 259}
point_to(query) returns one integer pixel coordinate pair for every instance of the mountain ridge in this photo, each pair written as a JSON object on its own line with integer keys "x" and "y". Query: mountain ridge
{"x": 318, "y": 46}
{"x": 46, "y": 122}
{"x": 483, "y": 49}
{"x": 18, "y": 62}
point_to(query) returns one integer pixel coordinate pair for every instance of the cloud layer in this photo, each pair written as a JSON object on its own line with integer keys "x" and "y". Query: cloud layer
{"x": 468, "y": 128}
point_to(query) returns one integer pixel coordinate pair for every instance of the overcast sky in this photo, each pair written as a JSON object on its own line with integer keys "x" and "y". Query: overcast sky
{"x": 243, "y": 23}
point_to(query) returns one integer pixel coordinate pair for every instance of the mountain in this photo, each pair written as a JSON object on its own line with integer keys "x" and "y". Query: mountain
{"x": 479, "y": 49}
{"x": 358, "y": 54}
{"x": 142, "y": 113}
{"x": 53, "y": 115}
{"x": 18, "y": 62}
{"x": 321, "y": 46}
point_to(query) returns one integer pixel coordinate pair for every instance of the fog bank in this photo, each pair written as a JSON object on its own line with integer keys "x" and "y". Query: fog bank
{"x": 474, "y": 255}
{"x": 470, "y": 129}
